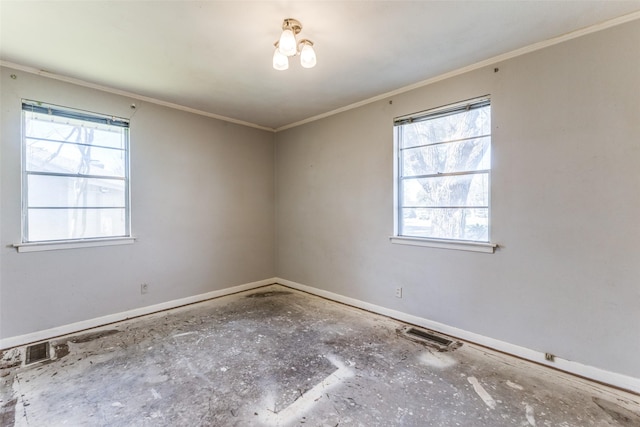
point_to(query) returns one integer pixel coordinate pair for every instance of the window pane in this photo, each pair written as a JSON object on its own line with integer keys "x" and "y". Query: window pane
{"x": 444, "y": 162}
{"x": 59, "y": 157}
{"x": 56, "y": 191}
{"x": 63, "y": 129}
{"x": 460, "y": 125}
{"x": 446, "y": 191}
{"x": 435, "y": 223}
{"x": 461, "y": 156}
{"x": 61, "y": 141}
{"x": 61, "y": 224}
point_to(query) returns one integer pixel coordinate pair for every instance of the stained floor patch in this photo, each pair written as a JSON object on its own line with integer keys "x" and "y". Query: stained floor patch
{"x": 61, "y": 350}
{"x": 620, "y": 414}
{"x": 90, "y": 336}
{"x": 268, "y": 294}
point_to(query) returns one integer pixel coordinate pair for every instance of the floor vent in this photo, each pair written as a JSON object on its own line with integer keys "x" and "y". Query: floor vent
{"x": 37, "y": 353}
{"x": 429, "y": 338}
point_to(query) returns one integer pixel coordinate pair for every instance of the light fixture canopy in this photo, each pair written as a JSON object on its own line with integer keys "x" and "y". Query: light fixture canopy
{"x": 288, "y": 46}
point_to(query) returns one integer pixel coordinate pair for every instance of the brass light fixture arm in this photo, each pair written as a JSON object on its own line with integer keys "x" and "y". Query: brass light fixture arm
{"x": 292, "y": 24}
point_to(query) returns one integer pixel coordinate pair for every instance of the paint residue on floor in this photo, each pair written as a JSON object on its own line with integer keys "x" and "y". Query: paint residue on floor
{"x": 480, "y": 391}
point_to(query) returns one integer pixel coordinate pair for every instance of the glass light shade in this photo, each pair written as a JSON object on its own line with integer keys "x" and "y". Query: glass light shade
{"x": 287, "y": 44}
{"x": 308, "y": 56}
{"x": 280, "y": 61}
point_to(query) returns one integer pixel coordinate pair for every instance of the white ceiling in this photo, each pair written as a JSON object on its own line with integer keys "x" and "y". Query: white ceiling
{"x": 215, "y": 56}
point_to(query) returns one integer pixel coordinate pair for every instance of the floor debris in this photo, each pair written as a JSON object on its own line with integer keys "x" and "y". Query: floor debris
{"x": 530, "y": 415}
{"x": 275, "y": 356}
{"x": 486, "y": 397}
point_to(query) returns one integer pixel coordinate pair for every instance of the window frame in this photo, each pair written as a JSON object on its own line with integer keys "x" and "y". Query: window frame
{"x": 28, "y": 244}
{"x": 444, "y": 243}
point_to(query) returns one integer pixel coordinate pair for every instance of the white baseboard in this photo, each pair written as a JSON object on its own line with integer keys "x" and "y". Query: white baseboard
{"x": 596, "y": 374}
{"x": 111, "y": 318}
{"x": 617, "y": 380}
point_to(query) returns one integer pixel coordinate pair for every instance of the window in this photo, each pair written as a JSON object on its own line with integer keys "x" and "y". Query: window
{"x": 443, "y": 165}
{"x": 75, "y": 168}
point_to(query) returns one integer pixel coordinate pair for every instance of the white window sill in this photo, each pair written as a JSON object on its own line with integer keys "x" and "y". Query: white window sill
{"x": 445, "y": 244}
{"x": 72, "y": 244}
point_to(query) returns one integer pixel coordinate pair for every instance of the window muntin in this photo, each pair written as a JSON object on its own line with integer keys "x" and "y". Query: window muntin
{"x": 443, "y": 172}
{"x": 75, "y": 174}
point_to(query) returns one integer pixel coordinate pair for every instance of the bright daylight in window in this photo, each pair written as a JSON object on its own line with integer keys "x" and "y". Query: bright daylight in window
{"x": 442, "y": 172}
{"x": 75, "y": 174}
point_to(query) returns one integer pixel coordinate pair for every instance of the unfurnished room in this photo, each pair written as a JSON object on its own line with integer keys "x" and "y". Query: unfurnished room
{"x": 320, "y": 213}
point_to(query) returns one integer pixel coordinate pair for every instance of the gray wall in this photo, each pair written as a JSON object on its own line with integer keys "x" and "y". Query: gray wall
{"x": 565, "y": 206}
{"x": 202, "y": 195}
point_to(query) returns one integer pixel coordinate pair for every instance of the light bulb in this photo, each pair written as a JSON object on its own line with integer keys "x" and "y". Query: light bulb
{"x": 287, "y": 44}
{"x": 307, "y": 56}
{"x": 280, "y": 61}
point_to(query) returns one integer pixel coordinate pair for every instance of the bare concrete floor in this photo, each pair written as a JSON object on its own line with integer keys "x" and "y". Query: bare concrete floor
{"x": 278, "y": 357}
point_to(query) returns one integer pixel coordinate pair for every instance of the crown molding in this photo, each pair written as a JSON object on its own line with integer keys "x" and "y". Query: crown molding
{"x": 491, "y": 61}
{"x": 84, "y": 83}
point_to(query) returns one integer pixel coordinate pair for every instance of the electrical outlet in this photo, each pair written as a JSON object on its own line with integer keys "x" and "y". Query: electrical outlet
{"x": 144, "y": 288}
{"x": 398, "y": 292}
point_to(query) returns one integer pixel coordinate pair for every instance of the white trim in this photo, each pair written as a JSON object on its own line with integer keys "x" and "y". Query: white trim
{"x": 72, "y": 244}
{"x": 607, "y": 377}
{"x": 133, "y": 95}
{"x": 488, "y": 248}
{"x": 499, "y": 58}
{"x": 117, "y": 317}
{"x": 618, "y": 380}
{"x": 430, "y": 242}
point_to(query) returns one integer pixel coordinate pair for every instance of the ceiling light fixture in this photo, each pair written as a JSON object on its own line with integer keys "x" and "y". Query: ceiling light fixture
{"x": 288, "y": 46}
